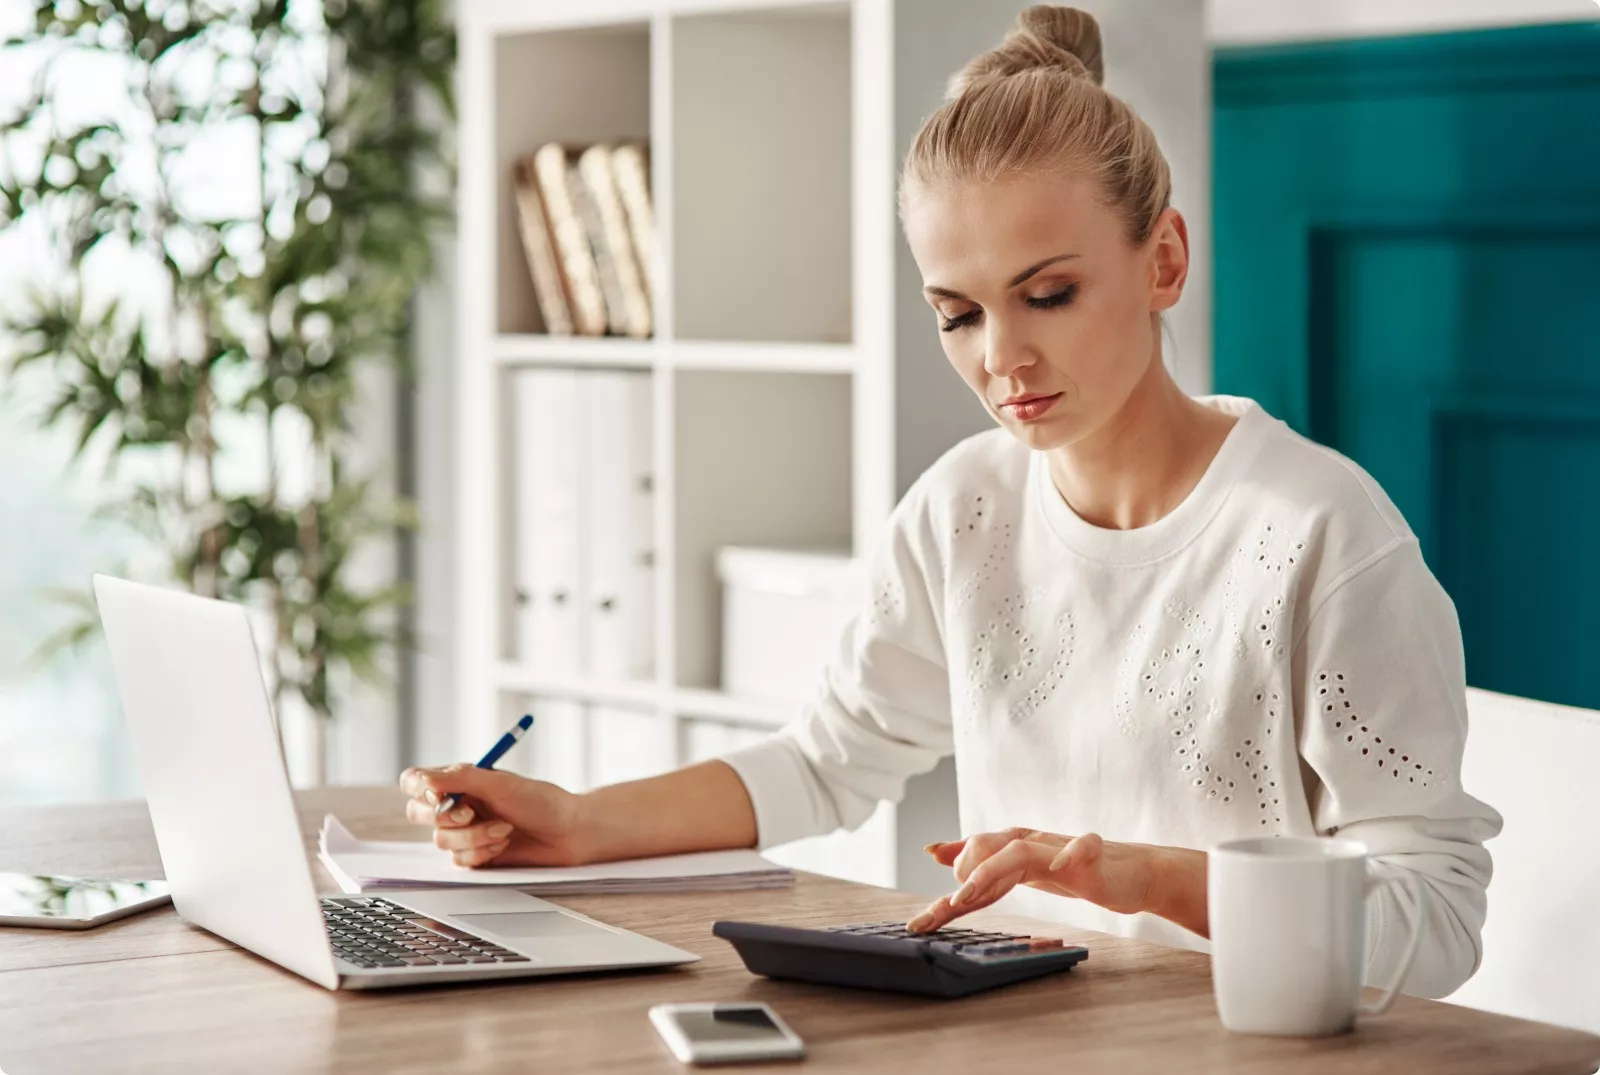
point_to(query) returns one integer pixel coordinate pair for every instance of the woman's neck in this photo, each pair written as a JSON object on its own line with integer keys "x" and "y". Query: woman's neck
{"x": 1141, "y": 464}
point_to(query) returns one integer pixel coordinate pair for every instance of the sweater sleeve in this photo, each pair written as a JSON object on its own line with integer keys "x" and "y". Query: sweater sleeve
{"x": 882, "y": 710}
{"x": 1382, "y": 728}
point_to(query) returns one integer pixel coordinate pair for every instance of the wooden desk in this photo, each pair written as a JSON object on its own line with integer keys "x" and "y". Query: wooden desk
{"x": 151, "y": 994}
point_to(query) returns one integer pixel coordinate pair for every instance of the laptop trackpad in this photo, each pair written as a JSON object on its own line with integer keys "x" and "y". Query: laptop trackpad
{"x": 528, "y": 925}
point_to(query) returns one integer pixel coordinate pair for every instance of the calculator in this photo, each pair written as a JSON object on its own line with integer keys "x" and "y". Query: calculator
{"x": 886, "y": 956}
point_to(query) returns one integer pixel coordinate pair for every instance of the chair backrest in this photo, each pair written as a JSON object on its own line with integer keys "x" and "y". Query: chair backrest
{"x": 1537, "y": 764}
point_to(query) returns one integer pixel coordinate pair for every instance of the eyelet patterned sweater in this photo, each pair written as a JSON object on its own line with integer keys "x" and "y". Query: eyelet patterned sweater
{"x": 1272, "y": 657}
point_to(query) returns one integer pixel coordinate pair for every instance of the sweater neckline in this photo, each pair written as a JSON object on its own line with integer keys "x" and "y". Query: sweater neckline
{"x": 1179, "y": 526}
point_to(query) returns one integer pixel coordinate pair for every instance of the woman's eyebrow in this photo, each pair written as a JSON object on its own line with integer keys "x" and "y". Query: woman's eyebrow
{"x": 1032, "y": 269}
{"x": 1021, "y": 277}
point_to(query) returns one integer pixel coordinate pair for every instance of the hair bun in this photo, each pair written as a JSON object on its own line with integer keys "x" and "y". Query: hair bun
{"x": 1045, "y": 37}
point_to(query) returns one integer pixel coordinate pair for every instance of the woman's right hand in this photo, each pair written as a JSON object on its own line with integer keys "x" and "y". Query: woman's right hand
{"x": 501, "y": 819}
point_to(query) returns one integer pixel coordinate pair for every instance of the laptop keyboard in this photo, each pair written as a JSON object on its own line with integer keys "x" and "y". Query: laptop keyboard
{"x": 371, "y": 933}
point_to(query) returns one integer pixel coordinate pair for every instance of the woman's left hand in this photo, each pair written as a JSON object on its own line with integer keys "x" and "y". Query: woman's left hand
{"x": 1125, "y": 878}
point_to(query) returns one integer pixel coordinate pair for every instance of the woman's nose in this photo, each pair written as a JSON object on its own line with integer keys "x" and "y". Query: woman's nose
{"x": 1005, "y": 351}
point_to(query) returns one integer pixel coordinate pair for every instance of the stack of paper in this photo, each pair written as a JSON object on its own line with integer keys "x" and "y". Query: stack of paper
{"x": 364, "y": 865}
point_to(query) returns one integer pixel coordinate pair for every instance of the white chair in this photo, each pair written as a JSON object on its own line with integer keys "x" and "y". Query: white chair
{"x": 1537, "y": 763}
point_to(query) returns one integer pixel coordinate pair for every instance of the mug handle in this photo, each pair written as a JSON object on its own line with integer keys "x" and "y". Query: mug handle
{"x": 1414, "y": 920}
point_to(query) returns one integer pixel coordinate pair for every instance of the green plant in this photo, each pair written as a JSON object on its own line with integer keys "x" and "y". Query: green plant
{"x": 270, "y": 313}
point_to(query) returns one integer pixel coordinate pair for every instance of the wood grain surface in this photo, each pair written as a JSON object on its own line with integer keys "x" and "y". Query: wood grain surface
{"x": 151, "y": 994}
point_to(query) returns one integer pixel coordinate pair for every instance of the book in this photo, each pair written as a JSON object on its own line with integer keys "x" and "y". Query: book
{"x": 358, "y": 865}
{"x": 571, "y": 240}
{"x": 533, "y": 227}
{"x": 600, "y": 207}
{"x": 630, "y": 169}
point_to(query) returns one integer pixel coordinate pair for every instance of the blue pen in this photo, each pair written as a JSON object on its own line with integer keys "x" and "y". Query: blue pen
{"x": 496, "y": 752}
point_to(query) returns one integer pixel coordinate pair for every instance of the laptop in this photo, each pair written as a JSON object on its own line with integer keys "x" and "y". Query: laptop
{"x": 224, "y": 818}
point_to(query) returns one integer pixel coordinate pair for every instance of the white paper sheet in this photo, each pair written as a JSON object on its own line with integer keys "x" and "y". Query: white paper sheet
{"x": 364, "y": 865}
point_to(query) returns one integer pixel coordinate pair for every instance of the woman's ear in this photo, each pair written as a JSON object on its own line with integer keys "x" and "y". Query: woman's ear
{"x": 1169, "y": 260}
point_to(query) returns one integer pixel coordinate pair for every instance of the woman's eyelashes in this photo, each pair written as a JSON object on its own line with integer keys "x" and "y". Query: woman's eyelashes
{"x": 1059, "y": 297}
{"x": 950, "y": 324}
{"x": 1053, "y": 300}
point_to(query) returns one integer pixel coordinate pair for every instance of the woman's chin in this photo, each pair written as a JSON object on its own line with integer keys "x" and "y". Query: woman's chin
{"x": 1045, "y": 434}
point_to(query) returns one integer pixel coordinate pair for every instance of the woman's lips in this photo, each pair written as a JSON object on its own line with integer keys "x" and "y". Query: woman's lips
{"x": 1030, "y": 408}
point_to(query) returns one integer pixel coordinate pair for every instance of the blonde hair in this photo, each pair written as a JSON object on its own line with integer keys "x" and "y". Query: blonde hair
{"x": 1034, "y": 105}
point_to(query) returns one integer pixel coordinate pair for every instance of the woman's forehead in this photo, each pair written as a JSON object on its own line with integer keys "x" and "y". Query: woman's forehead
{"x": 988, "y": 228}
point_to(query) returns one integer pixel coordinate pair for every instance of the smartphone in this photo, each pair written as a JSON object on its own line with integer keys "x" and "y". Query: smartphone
{"x": 725, "y": 1033}
{"x": 56, "y": 902}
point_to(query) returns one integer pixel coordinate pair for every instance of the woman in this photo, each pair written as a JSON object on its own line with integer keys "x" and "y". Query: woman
{"x": 1143, "y": 623}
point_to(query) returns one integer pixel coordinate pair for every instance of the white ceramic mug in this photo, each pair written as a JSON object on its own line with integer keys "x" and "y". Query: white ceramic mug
{"x": 1289, "y": 934}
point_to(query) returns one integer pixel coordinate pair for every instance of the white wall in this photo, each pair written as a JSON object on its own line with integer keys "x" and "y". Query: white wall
{"x": 1156, "y": 60}
{"x": 1253, "y": 22}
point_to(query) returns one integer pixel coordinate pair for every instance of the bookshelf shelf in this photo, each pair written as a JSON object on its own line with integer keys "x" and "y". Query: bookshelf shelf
{"x": 705, "y": 355}
{"x": 684, "y": 702}
{"x": 532, "y": 350}
{"x": 514, "y": 350}
{"x": 716, "y": 705}
{"x": 517, "y": 678}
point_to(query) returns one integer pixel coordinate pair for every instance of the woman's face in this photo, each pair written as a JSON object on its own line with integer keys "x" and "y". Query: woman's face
{"x": 1043, "y": 307}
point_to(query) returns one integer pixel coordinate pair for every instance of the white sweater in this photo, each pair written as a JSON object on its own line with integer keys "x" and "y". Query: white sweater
{"x": 1273, "y": 657}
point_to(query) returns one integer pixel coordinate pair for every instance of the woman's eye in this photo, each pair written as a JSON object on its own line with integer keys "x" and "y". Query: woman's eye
{"x": 1054, "y": 299}
{"x": 950, "y": 324}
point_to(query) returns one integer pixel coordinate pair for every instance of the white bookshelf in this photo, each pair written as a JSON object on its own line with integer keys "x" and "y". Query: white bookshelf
{"x": 798, "y": 386}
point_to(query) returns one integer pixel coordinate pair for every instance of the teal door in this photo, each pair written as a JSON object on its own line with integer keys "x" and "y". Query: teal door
{"x": 1408, "y": 270}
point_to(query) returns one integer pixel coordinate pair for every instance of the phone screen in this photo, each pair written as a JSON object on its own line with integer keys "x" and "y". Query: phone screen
{"x": 25, "y": 895}
{"x": 728, "y": 1022}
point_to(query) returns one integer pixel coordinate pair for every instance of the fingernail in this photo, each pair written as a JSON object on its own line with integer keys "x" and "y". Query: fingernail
{"x": 499, "y": 829}
{"x": 931, "y": 848}
{"x": 920, "y": 923}
{"x": 963, "y": 894}
{"x": 432, "y": 797}
{"x": 461, "y": 814}
{"x": 1060, "y": 860}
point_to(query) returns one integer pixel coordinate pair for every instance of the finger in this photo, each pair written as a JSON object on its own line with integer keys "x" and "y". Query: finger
{"x": 937, "y": 914}
{"x": 981, "y": 847}
{"x": 479, "y": 856}
{"x": 458, "y": 778}
{"x": 975, "y": 849}
{"x": 1078, "y": 853}
{"x": 418, "y": 812}
{"x": 945, "y": 852}
{"x": 1019, "y": 861}
{"x": 472, "y": 836}
{"x": 414, "y": 782}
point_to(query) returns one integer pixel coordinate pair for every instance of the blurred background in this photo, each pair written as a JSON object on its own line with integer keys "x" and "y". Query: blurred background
{"x": 564, "y": 356}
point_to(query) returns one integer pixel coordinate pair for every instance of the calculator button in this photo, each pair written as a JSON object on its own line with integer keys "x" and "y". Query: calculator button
{"x": 997, "y": 950}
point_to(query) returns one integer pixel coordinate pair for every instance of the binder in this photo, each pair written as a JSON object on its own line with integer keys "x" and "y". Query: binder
{"x": 524, "y": 517}
{"x": 618, "y": 530}
{"x": 549, "y": 513}
{"x": 558, "y": 749}
{"x": 704, "y": 740}
{"x": 629, "y": 744}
